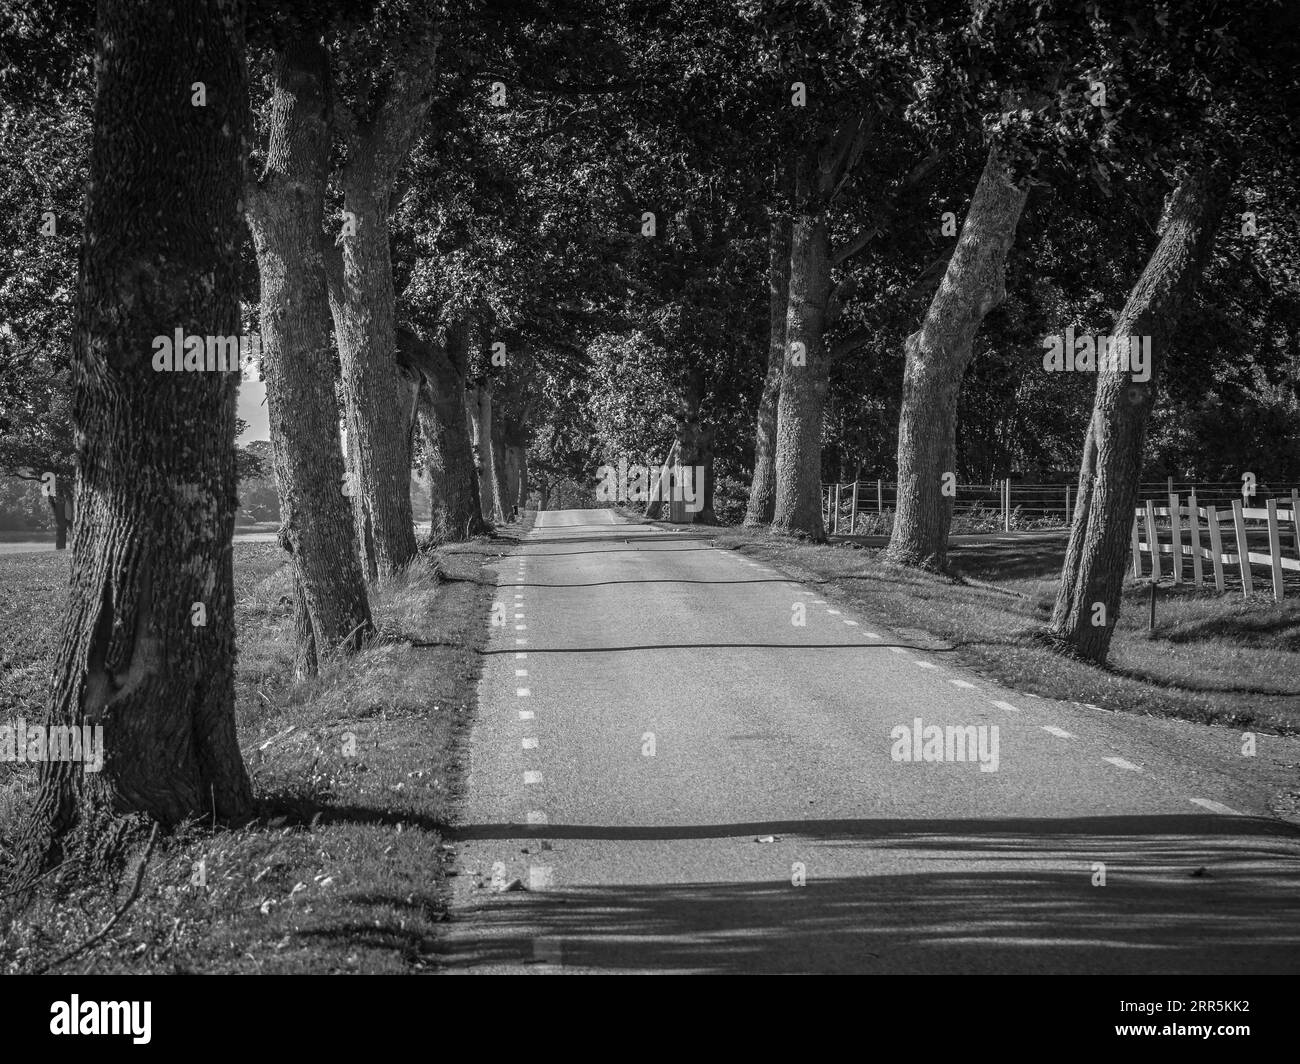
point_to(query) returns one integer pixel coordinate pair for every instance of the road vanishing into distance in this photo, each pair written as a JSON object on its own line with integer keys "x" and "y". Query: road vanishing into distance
{"x": 667, "y": 773}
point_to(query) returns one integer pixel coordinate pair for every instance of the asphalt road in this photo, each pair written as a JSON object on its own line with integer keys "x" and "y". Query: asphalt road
{"x": 669, "y": 774}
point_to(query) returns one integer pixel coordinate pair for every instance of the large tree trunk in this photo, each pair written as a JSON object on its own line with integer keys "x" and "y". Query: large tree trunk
{"x": 453, "y": 480}
{"x": 61, "y": 510}
{"x": 156, "y": 453}
{"x": 373, "y": 389}
{"x": 1098, "y": 551}
{"x": 284, "y": 212}
{"x": 936, "y": 358}
{"x": 499, "y": 467}
{"x": 762, "y": 492}
{"x": 362, "y": 301}
{"x": 478, "y": 406}
{"x": 804, "y": 379}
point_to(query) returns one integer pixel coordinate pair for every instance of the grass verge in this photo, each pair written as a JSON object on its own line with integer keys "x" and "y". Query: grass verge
{"x": 355, "y": 774}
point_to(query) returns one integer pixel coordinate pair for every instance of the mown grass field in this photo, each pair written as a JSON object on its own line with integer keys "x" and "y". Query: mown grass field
{"x": 1210, "y": 658}
{"x": 354, "y": 773}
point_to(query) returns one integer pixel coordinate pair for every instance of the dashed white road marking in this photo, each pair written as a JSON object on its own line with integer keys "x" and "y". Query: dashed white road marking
{"x": 525, "y": 714}
{"x": 520, "y": 655}
{"x": 521, "y": 672}
{"x": 851, "y": 624}
{"x": 536, "y": 816}
{"x": 1060, "y": 733}
{"x": 833, "y": 613}
{"x": 521, "y": 628}
{"x": 925, "y": 664}
{"x": 962, "y": 683}
{"x": 871, "y": 635}
{"x": 1119, "y": 762}
{"x": 1214, "y": 807}
{"x": 528, "y": 744}
{"x": 1006, "y": 705}
{"x": 520, "y": 641}
{"x": 819, "y": 602}
{"x": 899, "y": 650}
{"x": 519, "y": 616}
{"x": 522, "y": 692}
{"x": 532, "y": 776}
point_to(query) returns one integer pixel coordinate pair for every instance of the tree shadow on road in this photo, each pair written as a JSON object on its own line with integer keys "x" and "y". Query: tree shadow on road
{"x": 1181, "y": 894}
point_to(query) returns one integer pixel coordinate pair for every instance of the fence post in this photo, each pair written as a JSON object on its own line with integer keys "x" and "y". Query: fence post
{"x": 1137, "y": 551}
{"x": 1176, "y": 538}
{"x": 1216, "y": 546}
{"x": 853, "y": 513}
{"x": 1194, "y": 527}
{"x": 1067, "y": 506}
{"x": 1006, "y": 504}
{"x": 1153, "y": 540}
{"x": 1295, "y": 521}
{"x": 880, "y": 496}
{"x": 835, "y": 512}
{"x": 1275, "y": 550}
{"x": 1169, "y": 485}
{"x": 1243, "y": 547}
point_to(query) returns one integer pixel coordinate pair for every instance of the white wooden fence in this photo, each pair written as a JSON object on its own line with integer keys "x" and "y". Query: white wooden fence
{"x": 1241, "y": 521}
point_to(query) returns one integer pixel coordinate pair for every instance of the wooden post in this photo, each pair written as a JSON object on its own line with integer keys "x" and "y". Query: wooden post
{"x": 1216, "y": 546}
{"x": 1243, "y": 547}
{"x": 1006, "y": 504}
{"x": 1295, "y": 521}
{"x": 835, "y": 509}
{"x": 1137, "y": 551}
{"x": 1275, "y": 550}
{"x": 880, "y": 496}
{"x": 1194, "y": 528}
{"x": 1176, "y": 538}
{"x": 1067, "y": 506}
{"x": 1153, "y": 540}
{"x": 1169, "y": 485}
{"x": 853, "y": 513}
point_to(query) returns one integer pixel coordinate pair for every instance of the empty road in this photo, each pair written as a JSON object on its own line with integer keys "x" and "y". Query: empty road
{"x": 681, "y": 777}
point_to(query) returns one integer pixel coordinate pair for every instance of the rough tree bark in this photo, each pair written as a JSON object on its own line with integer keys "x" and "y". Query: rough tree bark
{"x": 453, "y": 480}
{"x": 805, "y": 373}
{"x": 284, "y": 210}
{"x": 156, "y": 450}
{"x": 478, "y": 406}
{"x": 1109, "y": 474}
{"x": 936, "y": 358}
{"x": 61, "y": 509}
{"x": 813, "y": 307}
{"x": 762, "y": 492}
{"x": 362, "y": 301}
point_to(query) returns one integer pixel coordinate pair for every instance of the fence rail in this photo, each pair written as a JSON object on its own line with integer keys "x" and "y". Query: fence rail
{"x": 1178, "y": 515}
{"x": 1015, "y": 502}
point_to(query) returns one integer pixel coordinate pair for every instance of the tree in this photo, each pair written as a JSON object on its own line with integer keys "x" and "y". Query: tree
{"x": 1112, "y": 460}
{"x": 378, "y": 129}
{"x": 457, "y": 512}
{"x": 1220, "y": 107}
{"x": 156, "y": 456}
{"x": 762, "y": 492}
{"x": 936, "y": 359}
{"x": 285, "y": 209}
